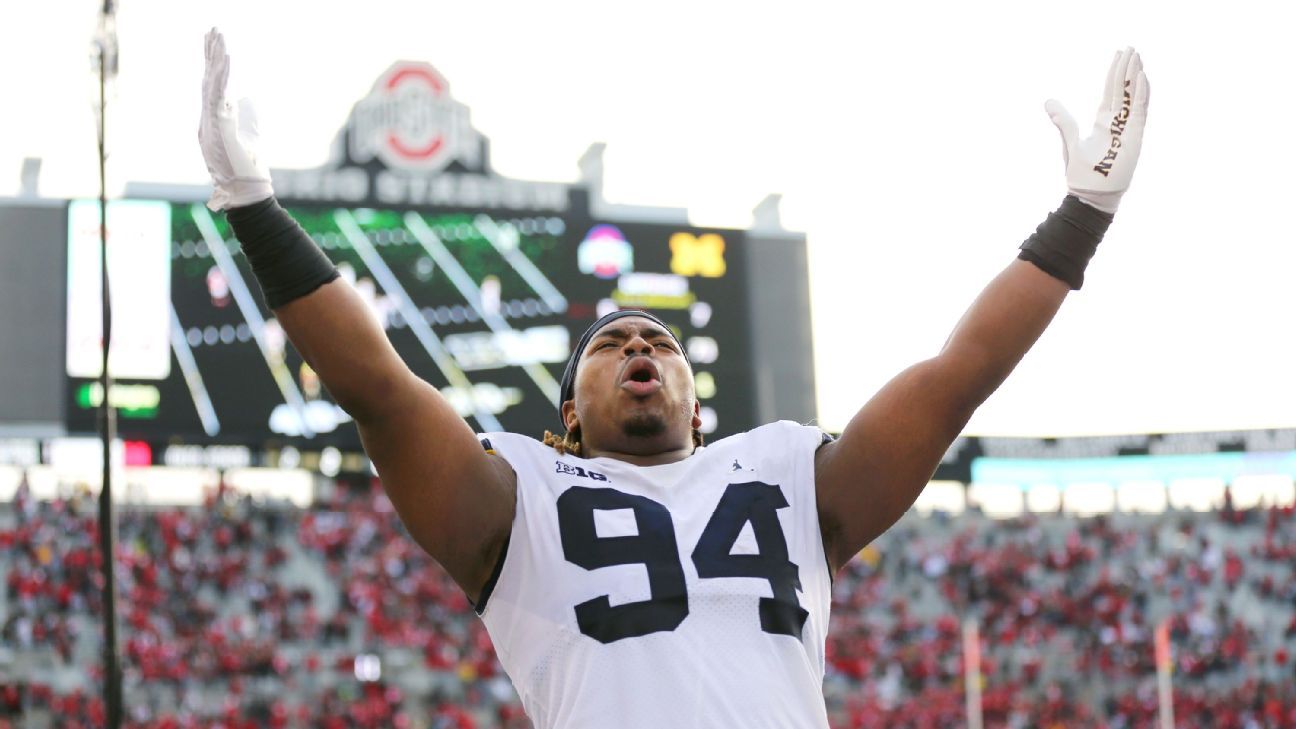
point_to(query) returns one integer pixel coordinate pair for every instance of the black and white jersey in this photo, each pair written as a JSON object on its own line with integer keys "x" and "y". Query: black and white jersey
{"x": 691, "y": 594}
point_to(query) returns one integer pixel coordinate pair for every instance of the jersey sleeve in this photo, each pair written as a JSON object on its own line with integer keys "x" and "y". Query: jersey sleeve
{"x": 480, "y": 605}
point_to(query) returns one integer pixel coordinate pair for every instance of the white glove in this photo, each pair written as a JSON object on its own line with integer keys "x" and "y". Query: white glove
{"x": 1099, "y": 168}
{"x": 228, "y": 141}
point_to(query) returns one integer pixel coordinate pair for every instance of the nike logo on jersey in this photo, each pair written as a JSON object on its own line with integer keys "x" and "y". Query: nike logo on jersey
{"x": 578, "y": 471}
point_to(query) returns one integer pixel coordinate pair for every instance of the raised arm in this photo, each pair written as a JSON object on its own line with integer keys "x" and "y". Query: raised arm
{"x": 455, "y": 499}
{"x": 873, "y": 473}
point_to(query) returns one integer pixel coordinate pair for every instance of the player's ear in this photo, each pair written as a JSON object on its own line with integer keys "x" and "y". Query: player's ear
{"x": 570, "y": 421}
{"x": 697, "y": 414}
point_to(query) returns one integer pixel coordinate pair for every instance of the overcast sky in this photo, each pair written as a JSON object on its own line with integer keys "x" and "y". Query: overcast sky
{"x": 908, "y": 139}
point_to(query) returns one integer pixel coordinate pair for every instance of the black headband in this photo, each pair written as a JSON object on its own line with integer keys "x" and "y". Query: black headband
{"x": 567, "y": 389}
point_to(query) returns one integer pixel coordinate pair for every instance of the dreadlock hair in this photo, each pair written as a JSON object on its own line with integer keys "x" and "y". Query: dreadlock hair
{"x": 570, "y": 442}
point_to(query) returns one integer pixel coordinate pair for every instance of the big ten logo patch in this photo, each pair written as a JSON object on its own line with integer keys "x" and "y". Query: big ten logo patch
{"x": 697, "y": 255}
{"x": 578, "y": 471}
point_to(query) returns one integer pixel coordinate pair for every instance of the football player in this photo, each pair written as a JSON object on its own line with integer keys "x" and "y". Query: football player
{"x": 628, "y": 574}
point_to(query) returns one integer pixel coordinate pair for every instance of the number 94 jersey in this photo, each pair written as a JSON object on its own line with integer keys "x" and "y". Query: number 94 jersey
{"x": 691, "y": 594}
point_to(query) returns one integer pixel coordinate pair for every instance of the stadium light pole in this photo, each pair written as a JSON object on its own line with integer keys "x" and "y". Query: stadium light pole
{"x": 104, "y": 58}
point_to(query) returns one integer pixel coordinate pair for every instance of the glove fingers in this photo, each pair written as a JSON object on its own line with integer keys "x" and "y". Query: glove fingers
{"x": 216, "y": 72}
{"x": 1135, "y": 66}
{"x": 1119, "y": 77}
{"x": 1066, "y": 126}
{"x": 224, "y": 69}
{"x": 1110, "y": 85}
{"x": 1141, "y": 93}
{"x": 1132, "y": 72}
{"x": 207, "y": 66}
{"x": 215, "y": 52}
{"x": 217, "y": 44}
{"x": 218, "y": 92}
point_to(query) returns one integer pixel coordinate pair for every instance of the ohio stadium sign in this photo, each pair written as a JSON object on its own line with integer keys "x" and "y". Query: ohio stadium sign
{"x": 408, "y": 142}
{"x": 410, "y": 122}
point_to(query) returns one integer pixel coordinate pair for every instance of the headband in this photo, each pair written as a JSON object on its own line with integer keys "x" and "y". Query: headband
{"x": 567, "y": 389}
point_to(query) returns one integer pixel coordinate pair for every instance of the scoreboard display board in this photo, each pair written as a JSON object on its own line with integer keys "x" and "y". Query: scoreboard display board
{"x": 485, "y": 307}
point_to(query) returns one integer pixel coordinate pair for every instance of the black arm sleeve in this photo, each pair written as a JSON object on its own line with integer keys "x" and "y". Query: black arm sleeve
{"x": 286, "y": 261}
{"x": 1063, "y": 244}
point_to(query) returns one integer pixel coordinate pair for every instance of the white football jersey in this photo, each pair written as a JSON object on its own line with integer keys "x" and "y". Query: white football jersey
{"x": 691, "y": 594}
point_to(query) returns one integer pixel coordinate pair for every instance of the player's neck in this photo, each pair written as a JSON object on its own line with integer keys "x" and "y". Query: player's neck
{"x": 641, "y": 459}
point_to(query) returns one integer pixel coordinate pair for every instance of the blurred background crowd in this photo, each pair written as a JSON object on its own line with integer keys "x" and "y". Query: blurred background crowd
{"x": 250, "y": 613}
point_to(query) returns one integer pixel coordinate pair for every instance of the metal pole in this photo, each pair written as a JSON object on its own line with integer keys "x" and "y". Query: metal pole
{"x": 106, "y": 42}
{"x": 972, "y": 672}
{"x": 1164, "y": 666}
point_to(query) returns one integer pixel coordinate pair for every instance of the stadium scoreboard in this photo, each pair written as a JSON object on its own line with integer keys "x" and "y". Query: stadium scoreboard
{"x": 485, "y": 307}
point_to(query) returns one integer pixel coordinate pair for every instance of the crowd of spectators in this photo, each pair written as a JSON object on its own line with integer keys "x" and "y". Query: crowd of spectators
{"x": 245, "y": 614}
{"x": 1065, "y": 609}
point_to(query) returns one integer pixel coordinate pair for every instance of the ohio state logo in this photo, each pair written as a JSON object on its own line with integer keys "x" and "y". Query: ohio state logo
{"x": 409, "y": 121}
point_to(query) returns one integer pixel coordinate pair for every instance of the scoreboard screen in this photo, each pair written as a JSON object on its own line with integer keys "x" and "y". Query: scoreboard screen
{"x": 485, "y": 307}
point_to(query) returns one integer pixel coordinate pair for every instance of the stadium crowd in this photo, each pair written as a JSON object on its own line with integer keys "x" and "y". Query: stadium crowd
{"x": 245, "y": 614}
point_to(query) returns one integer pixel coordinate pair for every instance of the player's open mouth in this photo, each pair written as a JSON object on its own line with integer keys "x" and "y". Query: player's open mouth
{"x": 640, "y": 377}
